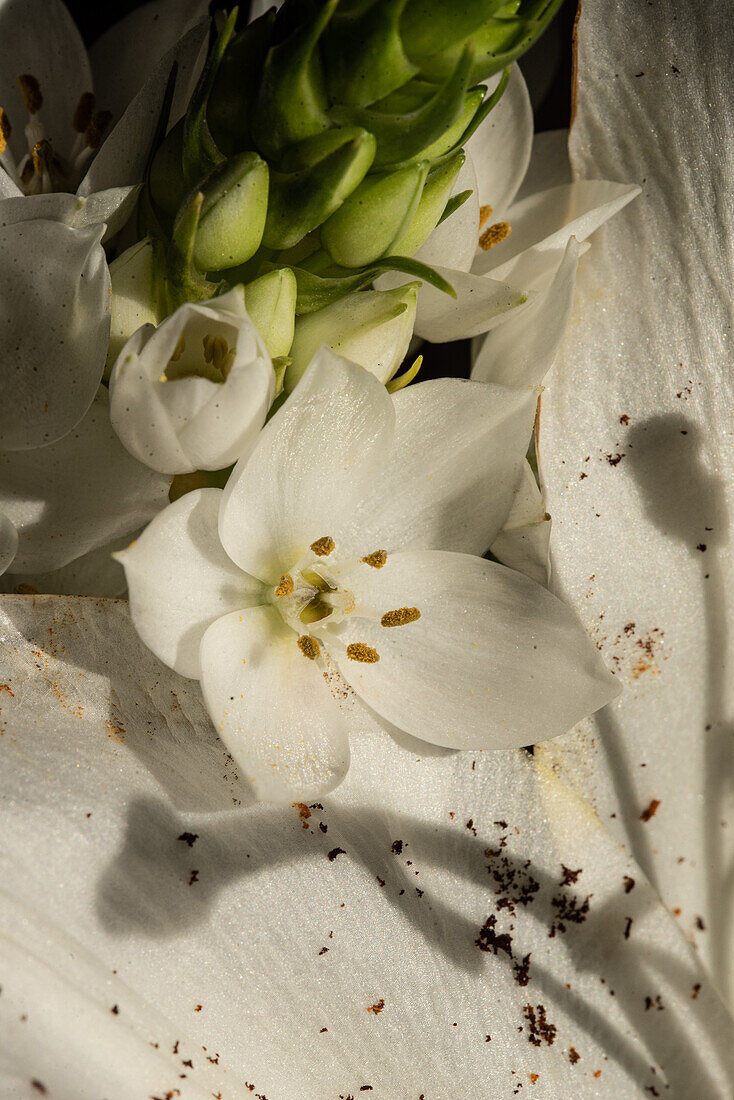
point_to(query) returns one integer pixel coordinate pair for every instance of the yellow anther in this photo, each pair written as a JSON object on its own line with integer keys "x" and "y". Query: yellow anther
{"x": 309, "y": 647}
{"x": 401, "y": 616}
{"x": 496, "y": 233}
{"x": 285, "y": 585}
{"x": 83, "y": 112}
{"x": 376, "y": 559}
{"x": 39, "y": 157}
{"x": 358, "y": 651}
{"x": 96, "y": 128}
{"x": 485, "y": 212}
{"x": 179, "y": 349}
{"x": 323, "y": 546}
{"x": 5, "y": 130}
{"x": 31, "y": 91}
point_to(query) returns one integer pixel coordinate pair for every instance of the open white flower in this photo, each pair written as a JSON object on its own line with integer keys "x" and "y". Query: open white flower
{"x": 193, "y": 393}
{"x": 70, "y": 166}
{"x": 341, "y": 556}
{"x": 451, "y": 924}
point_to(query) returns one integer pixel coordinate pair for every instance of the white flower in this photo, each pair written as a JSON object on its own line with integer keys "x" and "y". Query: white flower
{"x": 69, "y": 169}
{"x": 341, "y": 556}
{"x": 160, "y": 933}
{"x": 193, "y": 393}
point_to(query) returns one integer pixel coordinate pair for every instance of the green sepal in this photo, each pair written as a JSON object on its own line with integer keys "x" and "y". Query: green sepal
{"x": 432, "y": 203}
{"x": 182, "y": 281}
{"x": 453, "y": 205}
{"x": 317, "y": 291}
{"x": 167, "y": 184}
{"x": 479, "y": 116}
{"x": 364, "y": 58}
{"x": 300, "y": 201}
{"x": 236, "y": 86}
{"x": 271, "y": 303}
{"x": 200, "y": 153}
{"x": 401, "y": 137}
{"x": 404, "y": 379}
{"x": 429, "y": 26}
{"x": 292, "y": 101}
{"x": 148, "y": 221}
{"x": 233, "y": 213}
{"x": 374, "y": 216}
{"x": 499, "y": 42}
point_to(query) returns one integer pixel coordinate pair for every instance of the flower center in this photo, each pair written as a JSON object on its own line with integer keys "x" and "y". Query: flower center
{"x": 42, "y": 169}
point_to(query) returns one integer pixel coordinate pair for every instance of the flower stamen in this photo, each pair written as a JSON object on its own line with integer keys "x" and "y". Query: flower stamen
{"x": 323, "y": 546}
{"x": 485, "y": 213}
{"x": 359, "y": 651}
{"x": 309, "y": 646}
{"x": 5, "y": 130}
{"x": 96, "y": 128}
{"x": 376, "y": 559}
{"x": 83, "y": 112}
{"x": 285, "y": 586}
{"x": 31, "y": 92}
{"x": 494, "y": 235}
{"x": 400, "y": 617}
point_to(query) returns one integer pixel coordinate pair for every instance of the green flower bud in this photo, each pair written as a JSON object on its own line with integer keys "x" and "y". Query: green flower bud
{"x": 364, "y": 54}
{"x": 271, "y": 303}
{"x": 233, "y": 213}
{"x": 432, "y": 203}
{"x": 136, "y": 295}
{"x": 428, "y": 26}
{"x": 500, "y": 41}
{"x": 235, "y": 88}
{"x": 200, "y": 153}
{"x": 374, "y": 216}
{"x": 369, "y": 327}
{"x": 292, "y": 102}
{"x": 300, "y": 201}
{"x": 403, "y": 136}
{"x": 167, "y": 184}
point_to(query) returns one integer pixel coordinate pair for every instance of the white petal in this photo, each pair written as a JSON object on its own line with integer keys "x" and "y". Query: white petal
{"x": 129, "y": 52}
{"x": 501, "y": 146}
{"x": 652, "y": 344}
{"x": 479, "y": 305}
{"x": 313, "y": 463}
{"x": 92, "y": 574}
{"x": 452, "y": 471}
{"x": 113, "y": 207}
{"x": 77, "y": 494}
{"x": 8, "y": 543}
{"x": 54, "y": 319}
{"x": 124, "y": 153}
{"x": 180, "y": 580}
{"x": 543, "y": 223}
{"x": 549, "y": 164}
{"x": 494, "y": 661}
{"x": 272, "y": 707}
{"x": 231, "y": 957}
{"x": 522, "y": 543}
{"x": 39, "y": 38}
{"x": 454, "y": 242}
{"x": 521, "y": 351}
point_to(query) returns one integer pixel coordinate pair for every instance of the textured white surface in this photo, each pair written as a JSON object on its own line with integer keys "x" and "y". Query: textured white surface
{"x": 155, "y": 925}
{"x": 636, "y": 451}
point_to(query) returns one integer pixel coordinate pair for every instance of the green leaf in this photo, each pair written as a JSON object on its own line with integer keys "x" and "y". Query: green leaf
{"x": 317, "y": 291}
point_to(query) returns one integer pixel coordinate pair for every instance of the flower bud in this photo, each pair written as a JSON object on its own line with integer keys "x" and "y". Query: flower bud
{"x": 300, "y": 201}
{"x": 193, "y": 393}
{"x": 434, "y": 197}
{"x": 271, "y": 306}
{"x": 235, "y": 89}
{"x": 364, "y": 55}
{"x": 167, "y": 184}
{"x": 428, "y": 26}
{"x": 292, "y": 102}
{"x": 136, "y": 298}
{"x": 369, "y": 327}
{"x": 374, "y": 216}
{"x": 233, "y": 213}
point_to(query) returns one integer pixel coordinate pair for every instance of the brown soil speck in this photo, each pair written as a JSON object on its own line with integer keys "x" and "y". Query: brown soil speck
{"x": 303, "y": 812}
{"x": 540, "y": 1030}
{"x": 189, "y": 838}
{"x": 624, "y": 419}
{"x": 573, "y": 1055}
{"x": 651, "y": 810}
{"x": 696, "y": 991}
{"x": 39, "y": 1087}
{"x": 193, "y": 877}
{"x": 397, "y": 847}
{"x": 331, "y": 856}
{"x": 534, "y": 1077}
{"x": 569, "y": 877}
{"x": 629, "y": 884}
{"x": 377, "y": 1008}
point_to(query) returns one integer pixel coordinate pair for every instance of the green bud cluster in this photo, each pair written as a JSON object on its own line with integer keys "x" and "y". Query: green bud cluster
{"x": 325, "y": 140}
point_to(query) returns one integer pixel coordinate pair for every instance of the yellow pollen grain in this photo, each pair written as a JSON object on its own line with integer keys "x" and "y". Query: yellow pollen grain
{"x": 358, "y": 651}
{"x": 83, "y": 112}
{"x": 401, "y": 616}
{"x": 492, "y": 236}
{"x": 309, "y": 647}
{"x": 485, "y": 212}
{"x": 323, "y": 546}
{"x": 376, "y": 559}
{"x": 96, "y": 128}
{"x": 31, "y": 91}
{"x": 5, "y": 130}
{"x": 38, "y": 158}
{"x": 285, "y": 585}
